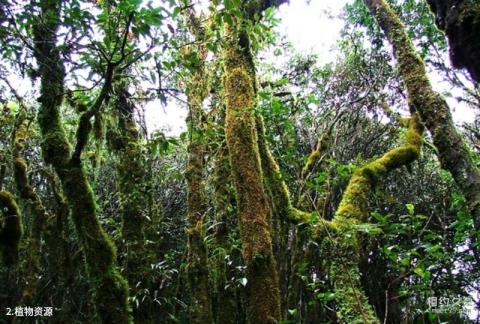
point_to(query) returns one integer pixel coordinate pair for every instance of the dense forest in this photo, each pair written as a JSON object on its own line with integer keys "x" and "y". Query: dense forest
{"x": 299, "y": 191}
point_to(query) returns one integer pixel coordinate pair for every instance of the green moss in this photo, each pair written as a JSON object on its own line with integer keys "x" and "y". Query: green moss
{"x": 110, "y": 290}
{"x": 353, "y": 209}
{"x": 263, "y": 300}
{"x": 453, "y": 154}
{"x": 31, "y": 266}
{"x": 11, "y": 229}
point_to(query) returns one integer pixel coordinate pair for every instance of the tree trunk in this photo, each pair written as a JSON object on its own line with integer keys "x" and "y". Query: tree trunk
{"x": 263, "y": 300}
{"x": 460, "y": 20}
{"x": 12, "y": 229}
{"x": 197, "y": 264}
{"x": 109, "y": 288}
{"x": 453, "y": 153}
{"x": 133, "y": 200}
{"x": 343, "y": 242}
{"x": 31, "y": 268}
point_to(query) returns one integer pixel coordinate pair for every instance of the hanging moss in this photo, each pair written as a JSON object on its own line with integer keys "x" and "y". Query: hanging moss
{"x": 11, "y": 229}
{"x": 110, "y": 290}
{"x": 453, "y": 153}
{"x": 353, "y": 306}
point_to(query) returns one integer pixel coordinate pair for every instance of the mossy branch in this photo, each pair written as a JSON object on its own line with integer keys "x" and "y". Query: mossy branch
{"x": 274, "y": 184}
{"x": 353, "y": 210}
{"x": 38, "y": 211}
{"x": 453, "y": 153}
{"x": 110, "y": 289}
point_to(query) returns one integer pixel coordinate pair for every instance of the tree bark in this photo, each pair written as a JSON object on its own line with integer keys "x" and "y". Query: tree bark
{"x": 197, "y": 264}
{"x": 109, "y": 287}
{"x": 460, "y": 20}
{"x": 453, "y": 153}
{"x": 263, "y": 299}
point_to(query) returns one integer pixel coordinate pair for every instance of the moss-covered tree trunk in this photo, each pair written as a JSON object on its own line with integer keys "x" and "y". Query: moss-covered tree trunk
{"x": 342, "y": 245}
{"x": 197, "y": 263}
{"x": 31, "y": 268}
{"x": 227, "y": 310}
{"x": 453, "y": 153}
{"x": 460, "y": 20}
{"x": 263, "y": 300}
{"x": 131, "y": 179}
{"x": 109, "y": 289}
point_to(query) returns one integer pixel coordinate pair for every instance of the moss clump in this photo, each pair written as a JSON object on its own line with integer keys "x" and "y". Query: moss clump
{"x": 11, "y": 229}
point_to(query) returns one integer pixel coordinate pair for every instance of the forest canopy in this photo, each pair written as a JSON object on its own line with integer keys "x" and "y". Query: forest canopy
{"x": 301, "y": 189}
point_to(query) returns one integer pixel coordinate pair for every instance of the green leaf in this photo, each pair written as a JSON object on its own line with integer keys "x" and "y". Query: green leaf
{"x": 411, "y": 209}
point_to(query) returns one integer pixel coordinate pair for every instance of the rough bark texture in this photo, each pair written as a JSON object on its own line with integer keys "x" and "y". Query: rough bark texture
{"x": 226, "y": 302}
{"x": 263, "y": 300}
{"x": 453, "y": 153}
{"x": 11, "y": 229}
{"x": 460, "y": 20}
{"x": 201, "y": 306}
{"x": 133, "y": 200}
{"x": 353, "y": 306}
{"x": 31, "y": 268}
{"x": 110, "y": 290}
{"x": 197, "y": 266}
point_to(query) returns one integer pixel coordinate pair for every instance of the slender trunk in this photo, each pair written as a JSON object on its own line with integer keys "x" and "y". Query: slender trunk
{"x": 31, "y": 268}
{"x": 453, "y": 153}
{"x": 197, "y": 269}
{"x": 131, "y": 186}
{"x": 226, "y": 301}
{"x": 110, "y": 289}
